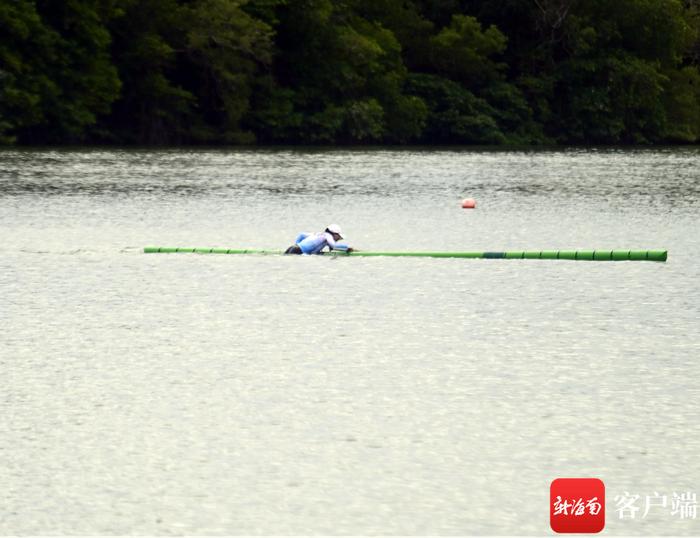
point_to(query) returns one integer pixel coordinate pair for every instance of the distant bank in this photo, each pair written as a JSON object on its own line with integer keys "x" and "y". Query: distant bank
{"x": 230, "y": 72}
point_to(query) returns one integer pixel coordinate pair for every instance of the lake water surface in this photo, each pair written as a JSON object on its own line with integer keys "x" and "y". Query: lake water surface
{"x": 191, "y": 394}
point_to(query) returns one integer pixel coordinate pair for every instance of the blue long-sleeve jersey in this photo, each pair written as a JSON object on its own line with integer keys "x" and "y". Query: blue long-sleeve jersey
{"x": 315, "y": 243}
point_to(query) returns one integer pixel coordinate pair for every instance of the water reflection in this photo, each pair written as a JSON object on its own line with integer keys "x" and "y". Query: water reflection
{"x": 21, "y": 187}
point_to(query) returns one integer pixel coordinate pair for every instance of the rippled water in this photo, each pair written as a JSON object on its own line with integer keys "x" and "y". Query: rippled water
{"x": 189, "y": 394}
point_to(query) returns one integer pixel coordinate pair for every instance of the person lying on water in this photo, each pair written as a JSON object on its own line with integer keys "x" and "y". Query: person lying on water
{"x": 307, "y": 243}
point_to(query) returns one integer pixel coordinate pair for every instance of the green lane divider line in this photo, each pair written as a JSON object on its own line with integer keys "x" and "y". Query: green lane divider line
{"x": 587, "y": 255}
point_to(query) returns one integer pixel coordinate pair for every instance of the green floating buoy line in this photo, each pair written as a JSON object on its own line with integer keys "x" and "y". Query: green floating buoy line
{"x": 589, "y": 255}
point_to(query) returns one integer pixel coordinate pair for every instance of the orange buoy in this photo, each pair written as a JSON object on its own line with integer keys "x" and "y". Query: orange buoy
{"x": 469, "y": 203}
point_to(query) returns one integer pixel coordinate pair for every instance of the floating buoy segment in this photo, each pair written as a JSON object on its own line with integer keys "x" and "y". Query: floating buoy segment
{"x": 594, "y": 255}
{"x": 469, "y": 203}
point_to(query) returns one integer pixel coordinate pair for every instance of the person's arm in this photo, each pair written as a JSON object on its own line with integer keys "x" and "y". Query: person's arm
{"x": 332, "y": 243}
{"x": 337, "y": 245}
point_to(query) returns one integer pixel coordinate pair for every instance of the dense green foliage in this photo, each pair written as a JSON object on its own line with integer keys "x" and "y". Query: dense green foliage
{"x": 350, "y": 71}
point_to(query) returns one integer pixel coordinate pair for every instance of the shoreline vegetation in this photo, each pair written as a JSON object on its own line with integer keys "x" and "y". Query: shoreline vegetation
{"x": 353, "y": 72}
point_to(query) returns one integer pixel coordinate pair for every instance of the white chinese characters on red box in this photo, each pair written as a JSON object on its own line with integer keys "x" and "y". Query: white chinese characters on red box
{"x": 577, "y": 505}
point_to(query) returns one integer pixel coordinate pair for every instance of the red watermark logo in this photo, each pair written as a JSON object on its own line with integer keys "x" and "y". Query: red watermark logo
{"x": 577, "y": 505}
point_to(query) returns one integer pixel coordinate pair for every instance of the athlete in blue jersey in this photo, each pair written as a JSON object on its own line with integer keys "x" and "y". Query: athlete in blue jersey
{"x": 314, "y": 243}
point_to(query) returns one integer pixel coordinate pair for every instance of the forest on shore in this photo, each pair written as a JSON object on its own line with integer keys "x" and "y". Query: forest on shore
{"x": 158, "y": 72}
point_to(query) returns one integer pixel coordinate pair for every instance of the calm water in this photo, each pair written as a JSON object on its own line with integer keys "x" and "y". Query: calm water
{"x": 186, "y": 394}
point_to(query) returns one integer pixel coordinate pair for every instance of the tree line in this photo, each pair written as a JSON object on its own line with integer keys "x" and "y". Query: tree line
{"x": 155, "y": 72}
